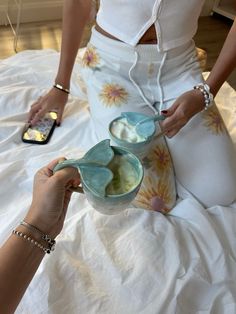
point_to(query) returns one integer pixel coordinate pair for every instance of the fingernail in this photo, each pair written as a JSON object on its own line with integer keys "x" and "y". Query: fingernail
{"x": 164, "y": 111}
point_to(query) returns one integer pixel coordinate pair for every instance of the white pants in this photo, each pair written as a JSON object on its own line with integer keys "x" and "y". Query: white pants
{"x": 123, "y": 78}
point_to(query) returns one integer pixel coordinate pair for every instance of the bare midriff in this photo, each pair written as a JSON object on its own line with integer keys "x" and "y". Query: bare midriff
{"x": 149, "y": 37}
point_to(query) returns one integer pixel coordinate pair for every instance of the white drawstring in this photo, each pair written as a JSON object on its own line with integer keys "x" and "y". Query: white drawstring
{"x": 141, "y": 93}
{"x": 136, "y": 85}
{"x": 159, "y": 81}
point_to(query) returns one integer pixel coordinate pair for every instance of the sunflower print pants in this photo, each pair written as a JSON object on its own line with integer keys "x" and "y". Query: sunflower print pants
{"x": 199, "y": 162}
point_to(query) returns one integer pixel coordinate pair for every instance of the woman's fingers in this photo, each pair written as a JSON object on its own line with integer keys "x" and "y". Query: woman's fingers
{"x": 59, "y": 117}
{"x": 37, "y": 116}
{"x": 35, "y": 108}
{"x": 64, "y": 176}
{"x": 47, "y": 103}
{"x": 173, "y": 124}
{"x": 183, "y": 109}
{"x": 54, "y": 162}
{"x": 172, "y": 133}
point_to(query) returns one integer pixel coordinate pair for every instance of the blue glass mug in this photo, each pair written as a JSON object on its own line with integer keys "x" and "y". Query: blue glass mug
{"x": 111, "y": 177}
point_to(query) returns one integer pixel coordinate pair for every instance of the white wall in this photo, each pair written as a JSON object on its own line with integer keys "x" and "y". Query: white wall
{"x": 32, "y": 10}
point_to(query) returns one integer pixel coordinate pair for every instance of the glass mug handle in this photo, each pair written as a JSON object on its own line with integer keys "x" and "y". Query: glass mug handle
{"x": 69, "y": 163}
{"x": 106, "y": 173}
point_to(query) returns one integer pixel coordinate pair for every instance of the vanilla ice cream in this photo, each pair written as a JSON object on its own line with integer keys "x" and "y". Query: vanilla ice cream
{"x": 123, "y": 130}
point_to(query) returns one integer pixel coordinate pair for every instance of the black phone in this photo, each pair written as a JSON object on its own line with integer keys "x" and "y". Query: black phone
{"x": 42, "y": 131}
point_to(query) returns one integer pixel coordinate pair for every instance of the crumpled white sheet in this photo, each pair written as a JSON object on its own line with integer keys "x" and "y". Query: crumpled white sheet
{"x": 134, "y": 262}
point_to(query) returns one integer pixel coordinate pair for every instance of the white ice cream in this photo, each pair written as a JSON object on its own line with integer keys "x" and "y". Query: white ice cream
{"x": 121, "y": 129}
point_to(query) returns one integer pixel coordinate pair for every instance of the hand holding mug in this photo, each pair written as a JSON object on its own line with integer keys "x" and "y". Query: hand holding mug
{"x": 51, "y": 197}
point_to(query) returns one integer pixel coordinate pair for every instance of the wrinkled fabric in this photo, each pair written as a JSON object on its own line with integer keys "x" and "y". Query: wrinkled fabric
{"x": 135, "y": 262}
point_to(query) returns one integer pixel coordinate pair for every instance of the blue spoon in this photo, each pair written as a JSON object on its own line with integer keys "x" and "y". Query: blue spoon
{"x": 144, "y": 125}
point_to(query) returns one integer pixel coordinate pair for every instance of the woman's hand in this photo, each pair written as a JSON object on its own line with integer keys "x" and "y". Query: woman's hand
{"x": 51, "y": 197}
{"x": 54, "y": 100}
{"x": 182, "y": 110}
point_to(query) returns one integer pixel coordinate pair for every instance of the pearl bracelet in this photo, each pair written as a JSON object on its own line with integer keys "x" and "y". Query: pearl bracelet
{"x": 31, "y": 240}
{"x": 51, "y": 242}
{"x": 208, "y": 97}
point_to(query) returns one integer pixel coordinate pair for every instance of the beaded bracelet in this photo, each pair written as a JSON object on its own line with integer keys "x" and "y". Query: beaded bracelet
{"x": 31, "y": 240}
{"x": 51, "y": 242}
{"x": 208, "y": 97}
{"x": 61, "y": 88}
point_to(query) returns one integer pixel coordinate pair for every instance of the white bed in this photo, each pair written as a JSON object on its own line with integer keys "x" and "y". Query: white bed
{"x": 135, "y": 262}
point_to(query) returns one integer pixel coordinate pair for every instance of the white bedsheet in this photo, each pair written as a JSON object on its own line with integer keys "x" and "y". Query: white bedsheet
{"x": 135, "y": 262}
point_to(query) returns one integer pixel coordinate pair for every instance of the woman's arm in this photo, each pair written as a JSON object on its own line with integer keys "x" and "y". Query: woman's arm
{"x": 19, "y": 261}
{"x": 192, "y": 102}
{"x": 75, "y": 15}
{"x": 19, "y": 257}
{"x": 225, "y": 63}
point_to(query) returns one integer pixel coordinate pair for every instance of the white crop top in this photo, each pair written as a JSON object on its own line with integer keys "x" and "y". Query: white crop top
{"x": 175, "y": 21}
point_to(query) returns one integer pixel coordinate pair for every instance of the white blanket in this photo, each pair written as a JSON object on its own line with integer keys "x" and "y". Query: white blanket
{"x": 134, "y": 262}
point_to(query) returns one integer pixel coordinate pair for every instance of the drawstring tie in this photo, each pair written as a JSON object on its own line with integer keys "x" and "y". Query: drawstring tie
{"x": 141, "y": 93}
{"x": 159, "y": 81}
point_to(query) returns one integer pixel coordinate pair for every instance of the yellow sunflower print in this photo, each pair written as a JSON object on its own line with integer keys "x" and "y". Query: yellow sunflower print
{"x": 150, "y": 189}
{"x": 113, "y": 95}
{"x": 160, "y": 159}
{"x": 90, "y": 58}
{"x": 213, "y": 121}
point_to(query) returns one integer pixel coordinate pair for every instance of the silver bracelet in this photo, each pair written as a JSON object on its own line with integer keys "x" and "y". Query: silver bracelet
{"x": 61, "y": 88}
{"x": 208, "y": 96}
{"x": 51, "y": 242}
{"x": 31, "y": 240}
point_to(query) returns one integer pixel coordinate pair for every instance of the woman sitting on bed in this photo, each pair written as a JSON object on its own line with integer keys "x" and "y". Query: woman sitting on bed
{"x": 23, "y": 252}
{"x": 141, "y": 57}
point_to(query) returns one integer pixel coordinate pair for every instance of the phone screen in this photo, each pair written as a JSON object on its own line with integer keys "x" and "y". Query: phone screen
{"x": 42, "y": 130}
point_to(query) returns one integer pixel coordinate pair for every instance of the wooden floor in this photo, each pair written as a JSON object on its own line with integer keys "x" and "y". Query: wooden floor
{"x": 211, "y": 34}
{"x": 38, "y": 35}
